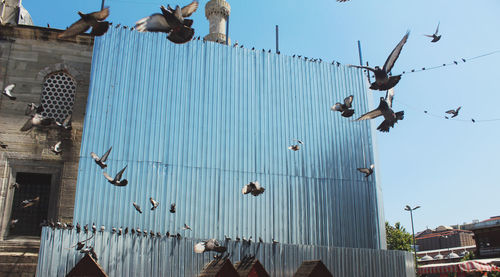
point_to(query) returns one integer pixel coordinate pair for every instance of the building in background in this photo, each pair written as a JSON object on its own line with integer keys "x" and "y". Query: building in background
{"x": 487, "y": 237}
{"x": 443, "y": 237}
{"x": 12, "y": 12}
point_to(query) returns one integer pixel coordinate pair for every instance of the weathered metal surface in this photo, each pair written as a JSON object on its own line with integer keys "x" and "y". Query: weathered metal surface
{"x": 195, "y": 122}
{"x": 133, "y": 255}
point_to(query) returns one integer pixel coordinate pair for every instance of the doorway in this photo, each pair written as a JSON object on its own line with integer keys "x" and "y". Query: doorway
{"x": 30, "y": 205}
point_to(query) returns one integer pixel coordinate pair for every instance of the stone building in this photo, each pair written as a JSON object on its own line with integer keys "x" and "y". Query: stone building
{"x": 443, "y": 237}
{"x": 55, "y": 74}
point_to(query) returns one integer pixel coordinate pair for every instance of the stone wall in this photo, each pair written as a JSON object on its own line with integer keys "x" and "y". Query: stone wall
{"x": 27, "y": 55}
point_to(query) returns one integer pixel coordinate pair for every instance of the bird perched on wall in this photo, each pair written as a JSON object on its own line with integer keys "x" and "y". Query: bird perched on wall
{"x": 296, "y": 147}
{"x": 254, "y": 188}
{"x": 170, "y": 21}
{"x": 382, "y": 79}
{"x": 384, "y": 109}
{"x": 154, "y": 203}
{"x": 344, "y": 109}
{"x": 78, "y": 227}
{"x": 117, "y": 181}
{"x": 90, "y": 20}
{"x": 30, "y": 202}
{"x": 57, "y": 148}
{"x": 454, "y": 112}
{"x": 36, "y": 120}
{"x": 137, "y": 207}
{"x": 172, "y": 208}
{"x": 367, "y": 171}
{"x": 7, "y": 91}
{"x": 101, "y": 160}
{"x": 66, "y": 124}
{"x": 209, "y": 245}
{"x": 435, "y": 37}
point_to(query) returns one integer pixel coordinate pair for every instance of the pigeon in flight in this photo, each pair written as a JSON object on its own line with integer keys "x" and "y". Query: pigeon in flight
{"x": 7, "y": 91}
{"x": 382, "y": 79}
{"x": 435, "y": 37}
{"x": 296, "y": 147}
{"x": 57, "y": 148}
{"x": 101, "y": 160}
{"x": 30, "y": 202}
{"x": 367, "y": 171}
{"x": 94, "y": 20}
{"x": 36, "y": 120}
{"x": 137, "y": 207}
{"x": 384, "y": 109}
{"x": 33, "y": 108}
{"x": 66, "y": 124}
{"x": 186, "y": 227}
{"x": 172, "y": 208}
{"x": 117, "y": 181}
{"x": 254, "y": 188}
{"x": 209, "y": 245}
{"x": 170, "y": 21}
{"x": 3, "y": 145}
{"x": 344, "y": 109}
{"x": 154, "y": 203}
{"x": 454, "y": 112}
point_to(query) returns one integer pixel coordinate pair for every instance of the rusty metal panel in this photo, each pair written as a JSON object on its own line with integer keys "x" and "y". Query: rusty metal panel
{"x": 195, "y": 122}
{"x": 134, "y": 255}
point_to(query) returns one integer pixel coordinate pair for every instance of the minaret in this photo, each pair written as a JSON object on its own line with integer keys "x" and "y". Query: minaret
{"x": 217, "y": 13}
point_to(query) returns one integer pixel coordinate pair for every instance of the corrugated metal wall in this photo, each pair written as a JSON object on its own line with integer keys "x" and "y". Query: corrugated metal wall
{"x": 195, "y": 122}
{"x": 133, "y": 255}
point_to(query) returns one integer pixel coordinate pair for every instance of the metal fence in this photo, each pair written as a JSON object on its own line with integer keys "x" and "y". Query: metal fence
{"x": 134, "y": 255}
{"x": 195, "y": 122}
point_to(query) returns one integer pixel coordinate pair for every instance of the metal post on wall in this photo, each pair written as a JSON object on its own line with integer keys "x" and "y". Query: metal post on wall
{"x": 102, "y": 4}
{"x": 361, "y": 61}
{"x": 277, "y": 39}
{"x": 227, "y": 30}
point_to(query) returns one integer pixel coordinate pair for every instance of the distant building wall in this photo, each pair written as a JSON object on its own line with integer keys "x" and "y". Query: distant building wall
{"x": 445, "y": 239}
{"x": 196, "y": 122}
{"x": 27, "y": 56}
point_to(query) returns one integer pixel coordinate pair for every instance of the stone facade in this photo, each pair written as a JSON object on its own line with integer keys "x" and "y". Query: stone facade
{"x": 28, "y": 55}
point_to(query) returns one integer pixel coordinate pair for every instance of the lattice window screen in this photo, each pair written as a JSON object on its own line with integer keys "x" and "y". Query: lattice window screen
{"x": 58, "y": 95}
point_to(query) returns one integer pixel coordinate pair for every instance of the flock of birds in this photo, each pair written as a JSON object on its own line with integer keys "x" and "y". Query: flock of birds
{"x": 175, "y": 23}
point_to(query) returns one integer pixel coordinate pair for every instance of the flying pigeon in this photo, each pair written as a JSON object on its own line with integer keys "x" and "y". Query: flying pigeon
{"x": 36, "y": 120}
{"x": 16, "y": 185}
{"x": 137, "y": 207}
{"x": 254, "y": 188}
{"x": 170, "y": 21}
{"x": 382, "y": 79}
{"x": 296, "y": 147}
{"x": 154, "y": 203}
{"x": 172, "y": 208}
{"x": 186, "y": 227}
{"x": 3, "y": 145}
{"x": 367, "y": 171}
{"x": 66, "y": 124}
{"x": 384, "y": 109}
{"x": 7, "y": 91}
{"x": 344, "y": 109}
{"x": 473, "y": 121}
{"x": 435, "y": 37}
{"x": 209, "y": 245}
{"x": 57, "y": 149}
{"x": 454, "y": 112}
{"x": 30, "y": 202}
{"x": 33, "y": 108}
{"x": 94, "y": 20}
{"x": 117, "y": 181}
{"x": 101, "y": 160}
{"x": 13, "y": 223}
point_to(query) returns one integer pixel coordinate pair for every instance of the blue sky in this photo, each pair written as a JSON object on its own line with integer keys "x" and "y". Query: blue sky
{"x": 446, "y": 166}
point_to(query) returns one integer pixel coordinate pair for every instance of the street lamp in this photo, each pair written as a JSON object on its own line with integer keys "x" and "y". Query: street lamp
{"x": 410, "y": 209}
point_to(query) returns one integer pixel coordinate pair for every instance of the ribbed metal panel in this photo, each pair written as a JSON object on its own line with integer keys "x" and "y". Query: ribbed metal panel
{"x": 133, "y": 255}
{"x": 195, "y": 122}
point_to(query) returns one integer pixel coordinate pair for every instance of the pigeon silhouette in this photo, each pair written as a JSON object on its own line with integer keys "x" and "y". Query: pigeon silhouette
{"x": 90, "y": 20}
{"x": 454, "y": 112}
{"x": 66, "y": 124}
{"x": 296, "y": 147}
{"x": 254, "y": 188}
{"x": 137, "y": 207}
{"x": 435, "y": 37}
{"x": 209, "y": 245}
{"x": 384, "y": 109}
{"x": 117, "y": 181}
{"x": 344, "y": 109}
{"x": 186, "y": 227}
{"x": 57, "y": 149}
{"x": 7, "y": 91}
{"x": 172, "y": 208}
{"x": 36, "y": 120}
{"x": 367, "y": 171}
{"x": 382, "y": 79}
{"x": 101, "y": 160}
{"x": 154, "y": 203}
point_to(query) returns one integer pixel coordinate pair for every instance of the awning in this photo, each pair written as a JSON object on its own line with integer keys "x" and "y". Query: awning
{"x": 467, "y": 266}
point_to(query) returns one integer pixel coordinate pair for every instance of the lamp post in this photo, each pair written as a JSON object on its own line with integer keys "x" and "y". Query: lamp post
{"x": 410, "y": 209}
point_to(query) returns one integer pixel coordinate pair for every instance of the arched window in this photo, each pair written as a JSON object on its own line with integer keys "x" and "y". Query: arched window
{"x": 58, "y": 95}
